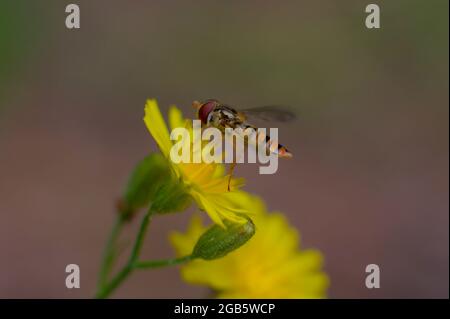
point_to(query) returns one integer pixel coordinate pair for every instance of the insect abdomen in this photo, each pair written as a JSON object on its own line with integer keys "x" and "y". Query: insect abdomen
{"x": 275, "y": 148}
{"x": 271, "y": 146}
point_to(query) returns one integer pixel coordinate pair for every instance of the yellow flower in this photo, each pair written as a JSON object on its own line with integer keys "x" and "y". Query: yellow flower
{"x": 270, "y": 265}
{"x": 205, "y": 183}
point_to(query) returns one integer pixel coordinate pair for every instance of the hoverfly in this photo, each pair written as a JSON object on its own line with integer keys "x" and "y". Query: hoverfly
{"x": 213, "y": 113}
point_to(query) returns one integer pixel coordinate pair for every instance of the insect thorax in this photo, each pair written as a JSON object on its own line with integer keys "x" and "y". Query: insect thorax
{"x": 223, "y": 116}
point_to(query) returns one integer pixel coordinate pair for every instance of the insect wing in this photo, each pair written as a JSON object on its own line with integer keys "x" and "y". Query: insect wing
{"x": 269, "y": 113}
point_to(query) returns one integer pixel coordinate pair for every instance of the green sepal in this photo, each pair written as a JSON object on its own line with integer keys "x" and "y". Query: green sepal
{"x": 144, "y": 182}
{"x": 171, "y": 197}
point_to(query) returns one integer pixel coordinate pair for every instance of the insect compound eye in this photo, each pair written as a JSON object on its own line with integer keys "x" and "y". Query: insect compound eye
{"x": 206, "y": 109}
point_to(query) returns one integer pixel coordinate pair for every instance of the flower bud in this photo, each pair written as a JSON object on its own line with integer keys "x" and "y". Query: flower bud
{"x": 217, "y": 241}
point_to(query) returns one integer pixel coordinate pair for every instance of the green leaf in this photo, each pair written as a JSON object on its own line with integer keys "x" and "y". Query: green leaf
{"x": 217, "y": 241}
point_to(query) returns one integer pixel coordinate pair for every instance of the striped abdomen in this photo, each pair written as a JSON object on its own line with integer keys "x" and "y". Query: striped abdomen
{"x": 271, "y": 146}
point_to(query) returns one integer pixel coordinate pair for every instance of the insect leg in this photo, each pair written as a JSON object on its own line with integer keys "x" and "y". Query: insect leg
{"x": 230, "y": 172}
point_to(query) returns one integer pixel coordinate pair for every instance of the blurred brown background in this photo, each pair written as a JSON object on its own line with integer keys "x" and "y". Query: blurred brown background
{"x": 369, "y": 181}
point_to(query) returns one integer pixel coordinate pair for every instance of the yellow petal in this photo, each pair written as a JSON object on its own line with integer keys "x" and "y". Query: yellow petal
{"x": 157, "y": 127}
{"x": 215, "y": 273}
{"x": 184, "y": 243}
{"x": 271, "y": 265}
{"x": 209, "y": 208}
{"x": 176, "y": 119}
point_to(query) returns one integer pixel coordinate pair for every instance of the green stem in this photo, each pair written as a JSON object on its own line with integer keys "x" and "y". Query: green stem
{"x": 105, "y": 290}
{"x": 109, "y": 253}
{"x": 140, "y": 238}
{"x": 161, "y": 263}
{"x": 148, "y": 264}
